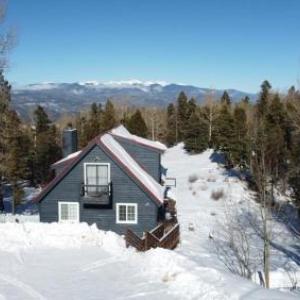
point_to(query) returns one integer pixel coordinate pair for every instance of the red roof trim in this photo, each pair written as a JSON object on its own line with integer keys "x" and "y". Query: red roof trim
{"x": 73, "y": 161}
{"x": 138, "y": 143}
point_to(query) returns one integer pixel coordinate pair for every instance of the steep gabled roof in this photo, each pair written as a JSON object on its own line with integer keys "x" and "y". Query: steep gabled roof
{"x": 123, "y": 133}
{"x": 118, "y": 154}
{"x": 133, "y": 167}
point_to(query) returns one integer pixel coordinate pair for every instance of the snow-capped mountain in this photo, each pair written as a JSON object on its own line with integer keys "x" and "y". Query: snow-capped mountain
{"x": 71, "y": 97}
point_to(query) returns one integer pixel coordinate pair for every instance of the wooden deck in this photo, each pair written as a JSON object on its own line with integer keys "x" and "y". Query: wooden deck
{"x": 164, "y": 235}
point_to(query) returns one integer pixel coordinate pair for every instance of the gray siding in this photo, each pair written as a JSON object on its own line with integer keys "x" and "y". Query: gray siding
{"x": 124, "y": 190}
{"x": 147, "y": 158}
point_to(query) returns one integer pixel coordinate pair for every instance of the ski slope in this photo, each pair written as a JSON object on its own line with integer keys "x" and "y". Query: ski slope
{"x": 77, "y": 261}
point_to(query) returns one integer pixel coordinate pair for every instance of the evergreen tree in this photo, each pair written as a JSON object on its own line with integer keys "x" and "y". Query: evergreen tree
{"x": 84, "y": 131}
{"x": 278, "y": 139}
{"x": 192, "y": 107}
{"x": 109, "y": 117}
{"x": 191, "y": 110}
{"x": 136, "y": 124}
{"x": 125, "y": 119}
{"x": 196, "y": 138}
{"x": 263, "y": 101}
{"x": 42, "y": 122}
{"x": 4, "y": 112}
{"x": 171, "y": 134}
{"x": 225, "y": 99}
{"x": 182, "y": 114}
{"x": 18, "y": 143}
{"x": 47, "y": 150}
{"x": 95, "y": 120}
{"x": 17, "y": 167}
{"x": 224, "y": 132}
{"x": 239, "y": 147}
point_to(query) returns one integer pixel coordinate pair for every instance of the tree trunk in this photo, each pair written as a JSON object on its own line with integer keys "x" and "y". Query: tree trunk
{"x": 264, "y": 202}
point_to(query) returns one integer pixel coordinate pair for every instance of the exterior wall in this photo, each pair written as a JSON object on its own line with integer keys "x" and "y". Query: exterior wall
{"x": 147, "y": 158}
{"x": 124, "y": 190}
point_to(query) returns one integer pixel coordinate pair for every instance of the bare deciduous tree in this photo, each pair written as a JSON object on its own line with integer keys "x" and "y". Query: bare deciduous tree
{"x": 209, "y": 112}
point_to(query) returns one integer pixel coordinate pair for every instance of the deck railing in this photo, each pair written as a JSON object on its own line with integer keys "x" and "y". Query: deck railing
{"x": 157, "y": 237}
{"x": 96, "y": 194}
{"x": 95, "y": 190}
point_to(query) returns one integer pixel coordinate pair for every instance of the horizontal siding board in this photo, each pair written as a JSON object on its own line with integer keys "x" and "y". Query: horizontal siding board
{"x": 146, "y": 157}
{"x": 124, "y": 189}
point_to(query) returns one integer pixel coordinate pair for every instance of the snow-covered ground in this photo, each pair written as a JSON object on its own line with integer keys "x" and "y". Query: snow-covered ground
{"x": 77, "y": 261}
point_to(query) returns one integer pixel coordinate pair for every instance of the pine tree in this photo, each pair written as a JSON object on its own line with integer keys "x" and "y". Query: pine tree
{"x": 192, "y": 107}
{"x": 225, "y": 99}
{"x": 196, "y": 138}
{"x": 136, "y": 124}
{"x": 84, "y": 132}
{"x": 171, "y": 134}
{"x": 224, "y": 132}
{"x": 95, "y": 120}
{"x": 109, "y": 117}
{"x": 16, "y": 158}
{"x": 182, "y": 114}
{"x": 240, "y": 144}
{"x": 47, "y": 149}
{"x": 263, "y": 101}
{"x": 4, "y": 112}
{"x": 278, "y": 139}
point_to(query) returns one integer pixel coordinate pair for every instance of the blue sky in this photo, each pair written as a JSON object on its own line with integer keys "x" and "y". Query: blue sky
{"x": 213, "y": 43}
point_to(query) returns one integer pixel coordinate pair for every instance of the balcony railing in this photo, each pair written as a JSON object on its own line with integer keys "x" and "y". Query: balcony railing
{"x": 96, "y": 194}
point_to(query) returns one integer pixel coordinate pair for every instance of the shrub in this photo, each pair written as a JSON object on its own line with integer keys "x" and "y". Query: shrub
{"x": 203, "y": 187}
{"x": 217, "y": 195}
{"x": 211, "y": 179}
{"x": 193, "y": 178}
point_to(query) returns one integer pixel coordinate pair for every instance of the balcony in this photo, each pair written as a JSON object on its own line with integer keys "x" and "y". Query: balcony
{"x": 96, "y": 196}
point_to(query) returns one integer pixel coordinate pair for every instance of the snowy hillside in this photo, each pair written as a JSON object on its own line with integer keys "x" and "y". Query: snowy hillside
{"x": 59, "y": 261}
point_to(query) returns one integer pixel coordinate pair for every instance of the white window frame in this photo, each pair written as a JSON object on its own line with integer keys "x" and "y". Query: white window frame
{"x": 93, "y": 164}
{"x": 68, "y": 221}
{"x": 118, "y": 221}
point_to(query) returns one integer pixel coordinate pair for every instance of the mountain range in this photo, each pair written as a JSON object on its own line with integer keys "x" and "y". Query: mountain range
{"x": 59, "y": 98}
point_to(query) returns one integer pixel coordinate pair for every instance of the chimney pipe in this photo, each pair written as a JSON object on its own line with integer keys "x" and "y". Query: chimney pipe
{"x": 69, "y": 141}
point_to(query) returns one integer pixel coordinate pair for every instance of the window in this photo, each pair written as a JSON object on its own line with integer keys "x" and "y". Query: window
{"x": 126, "y": 213}
{"x": 68, "y": 211}
{"x": 96, "y": 178}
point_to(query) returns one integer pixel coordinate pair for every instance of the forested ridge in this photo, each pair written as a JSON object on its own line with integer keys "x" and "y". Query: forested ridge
{"x": 249, "y": 134}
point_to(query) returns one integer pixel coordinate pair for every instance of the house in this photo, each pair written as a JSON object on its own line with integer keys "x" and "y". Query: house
{"x": 114, "y": 182}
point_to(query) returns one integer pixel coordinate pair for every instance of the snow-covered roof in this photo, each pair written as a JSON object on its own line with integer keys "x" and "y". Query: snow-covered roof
{"x": 135, "y": 169}
{"x": 65, "y": 159}
{"x": 109, "y": 144}
{"x": 122, "y": 132}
